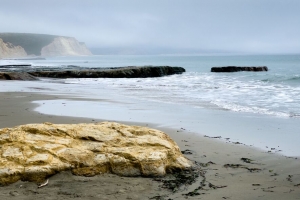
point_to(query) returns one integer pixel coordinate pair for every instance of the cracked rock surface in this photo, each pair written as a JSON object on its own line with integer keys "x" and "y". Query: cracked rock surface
{"x": 34, "y": 152}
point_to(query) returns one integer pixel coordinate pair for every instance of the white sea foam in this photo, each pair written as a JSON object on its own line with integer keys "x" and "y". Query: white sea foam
{"x": 253, "y": 109}
{"x": 11, "y": 62}
{"x": 200, "y": 89}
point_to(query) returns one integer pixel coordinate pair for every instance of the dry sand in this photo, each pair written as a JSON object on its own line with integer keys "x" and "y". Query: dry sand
{"x": 267, "y": 176}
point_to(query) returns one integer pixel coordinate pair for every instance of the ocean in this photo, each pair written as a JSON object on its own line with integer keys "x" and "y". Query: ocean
{"x": 261, "y": 109}
{"x": 274, "y": 93}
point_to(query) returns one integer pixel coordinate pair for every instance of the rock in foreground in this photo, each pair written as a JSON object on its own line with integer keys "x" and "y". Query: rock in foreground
{"x": 34, "y": 152}
{"x": 238, "y": 69}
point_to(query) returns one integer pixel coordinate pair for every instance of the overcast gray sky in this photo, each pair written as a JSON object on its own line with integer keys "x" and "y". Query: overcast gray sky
{"x": 251, "y": 26}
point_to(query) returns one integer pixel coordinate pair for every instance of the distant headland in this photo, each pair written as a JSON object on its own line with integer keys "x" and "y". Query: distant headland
{"x": 20, "y": 45}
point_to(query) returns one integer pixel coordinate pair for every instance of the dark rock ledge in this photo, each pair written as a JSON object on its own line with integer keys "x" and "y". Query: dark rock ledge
{"x": 17, "y": 76}
{"x": 238, "y": 69}
{"x": 119, "y": 72}
{"x": 126, "y": 72}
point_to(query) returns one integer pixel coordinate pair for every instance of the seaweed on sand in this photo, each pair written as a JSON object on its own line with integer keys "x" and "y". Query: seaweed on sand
{"x": 242, "y": 166}
{"x": 174, "y": 182}
{"x": 180, "y": 178}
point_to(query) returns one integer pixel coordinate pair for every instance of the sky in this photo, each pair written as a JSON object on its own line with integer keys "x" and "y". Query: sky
{"x": 182, "y": 26}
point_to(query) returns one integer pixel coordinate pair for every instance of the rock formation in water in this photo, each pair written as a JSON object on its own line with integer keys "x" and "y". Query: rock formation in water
{"x": 34, "y": 152}
{"x": 17, "y": 76}
{"x": 76, "y": 72}
{"x": 8, "y": 50}
{"x": 238, "y": 69}
{"x": 41, "y": 45}
{"x": 122, "y": 72}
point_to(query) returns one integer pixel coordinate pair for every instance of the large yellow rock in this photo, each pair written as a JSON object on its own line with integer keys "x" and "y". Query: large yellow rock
{"x": 35, "y": 151}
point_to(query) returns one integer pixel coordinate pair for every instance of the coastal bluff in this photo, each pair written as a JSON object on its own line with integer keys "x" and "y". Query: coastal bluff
{"x": 239, "y": 68}
{"x": 34, "y": 152}
{"x": 20, "y": 45}
{"x": 8, "y": 50}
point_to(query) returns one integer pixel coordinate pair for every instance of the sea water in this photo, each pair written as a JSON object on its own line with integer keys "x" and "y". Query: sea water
{"x": 275, "y": 93}
{"x": 254, "y": 108}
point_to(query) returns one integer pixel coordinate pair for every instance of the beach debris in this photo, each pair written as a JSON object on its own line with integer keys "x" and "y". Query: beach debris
{"x": 206, "y": 164}
{"x": 237, "y": 143}
{"x": 274, "y": 174}
{"x": 216, "y": 186}
{"x": 235, "y": 166}
{"x": 180, "y": 178}
{"x": 204, "y": 186}
{"x": 253, "y": 169}
{"x": 268, "y": 189}
{"x": 34, "y": 152}
{"x": 255, "y": 184}
{"x": 274, "y": 150}
{"x": 246, "y": 160}
{"x": 158, "y": 197}
{"x": 187, "y": 151}
{"x": 44, "y": 184}
{"x": 194, "y": 192}
{"x": 181, "y": 129}
{"x": 214, "y": 137}
{"x": 289, "y": 178}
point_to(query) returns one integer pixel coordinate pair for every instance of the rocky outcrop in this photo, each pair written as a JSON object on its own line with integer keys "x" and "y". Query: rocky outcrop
{"x": 34, "y": 152}
{"x": 29, "y": 73}
{"x": 123, "y": 72}
{"x": 238, "y": 69}
{"x": 65, "y": 46}
{"x": 16, "y": 76}
{"x": 8, "y": 50}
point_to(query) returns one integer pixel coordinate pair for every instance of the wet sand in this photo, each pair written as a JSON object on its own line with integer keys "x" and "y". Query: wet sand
{"x": 223, "y": 173}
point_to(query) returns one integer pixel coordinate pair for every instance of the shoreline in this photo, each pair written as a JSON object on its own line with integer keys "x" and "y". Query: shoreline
{"x": 128, "y": 103}
{"x": 278, "y": 176}
{"x": 275, "y": 135}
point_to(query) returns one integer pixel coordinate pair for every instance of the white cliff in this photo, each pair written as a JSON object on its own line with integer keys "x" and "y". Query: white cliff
{"x": 65, "y": 46}
{"x": 8, "y": 50}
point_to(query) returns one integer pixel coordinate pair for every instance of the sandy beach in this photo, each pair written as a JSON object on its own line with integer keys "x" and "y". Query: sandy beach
{"x": 227, "y": 170}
